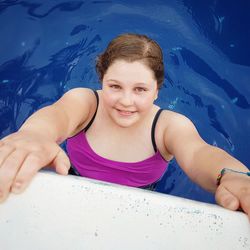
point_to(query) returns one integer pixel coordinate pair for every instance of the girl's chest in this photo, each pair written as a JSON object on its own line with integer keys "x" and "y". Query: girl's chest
{"x": 125, "y": 147}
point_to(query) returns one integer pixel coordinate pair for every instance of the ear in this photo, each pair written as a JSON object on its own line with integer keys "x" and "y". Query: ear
{"x": 156, "y": 94}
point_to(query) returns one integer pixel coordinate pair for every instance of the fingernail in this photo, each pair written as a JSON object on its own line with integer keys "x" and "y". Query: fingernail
{"x": 1, "y": 195}
{"x": 16, "y": 188}
{"x": 64, "y": 169}
{"x": 232, "y": 205}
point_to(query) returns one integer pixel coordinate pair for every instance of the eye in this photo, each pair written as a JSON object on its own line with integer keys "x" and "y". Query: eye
{"x": 140, "y": 89}
{"x": 115, "y": 86}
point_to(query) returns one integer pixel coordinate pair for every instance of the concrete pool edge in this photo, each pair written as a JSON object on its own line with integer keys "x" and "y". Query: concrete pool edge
{"x": 69, "y": 212}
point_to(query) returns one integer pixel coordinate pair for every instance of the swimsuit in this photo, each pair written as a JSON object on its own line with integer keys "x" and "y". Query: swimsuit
{"x": 85, "y": 162}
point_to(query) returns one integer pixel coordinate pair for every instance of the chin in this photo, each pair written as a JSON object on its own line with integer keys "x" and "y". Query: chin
{"x": 125, "y": 122}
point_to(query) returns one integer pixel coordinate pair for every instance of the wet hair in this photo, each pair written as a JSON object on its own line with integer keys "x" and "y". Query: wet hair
{"x": 132, "y": 47}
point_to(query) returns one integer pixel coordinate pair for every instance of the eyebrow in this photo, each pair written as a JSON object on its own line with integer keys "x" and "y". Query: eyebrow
{"x": 117, "y": 81}
{"x": 113, "y": 80}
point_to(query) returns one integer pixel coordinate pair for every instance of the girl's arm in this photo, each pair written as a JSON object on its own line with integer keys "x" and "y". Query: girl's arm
{"x": 65, "y": 117}
{"x": 203, "y": 163}
{"x": 35, "y": 144}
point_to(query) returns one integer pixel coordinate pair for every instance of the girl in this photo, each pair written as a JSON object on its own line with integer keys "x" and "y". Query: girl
{"x": 118, "y": 134}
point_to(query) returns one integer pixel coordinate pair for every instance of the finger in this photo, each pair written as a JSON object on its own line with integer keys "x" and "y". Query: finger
{"x": 5, "y": 150}
{"x": 226, "y": 199}
{"x": 9, "y": 170}
{"x": 32, "y": 164}
{"x": 61, "y": 163}
{"x": 245, "y": 200}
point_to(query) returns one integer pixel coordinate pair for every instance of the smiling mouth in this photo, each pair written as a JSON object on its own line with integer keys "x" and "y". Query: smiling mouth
{"x": 125, "y": 112}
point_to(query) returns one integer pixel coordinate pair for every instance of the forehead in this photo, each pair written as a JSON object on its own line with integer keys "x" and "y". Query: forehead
{"x": 130, "y": 71}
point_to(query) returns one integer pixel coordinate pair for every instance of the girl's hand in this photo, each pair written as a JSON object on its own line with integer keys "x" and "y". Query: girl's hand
{"x": 234, "y": 192}
{"x": 22, "y": 155}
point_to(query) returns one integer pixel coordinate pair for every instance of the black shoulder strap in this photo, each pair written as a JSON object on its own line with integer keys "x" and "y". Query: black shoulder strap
{"x": 93, "y": 118}
{"x": 153, "y": 128}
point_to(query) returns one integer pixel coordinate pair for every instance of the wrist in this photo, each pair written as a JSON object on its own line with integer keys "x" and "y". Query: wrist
{"x": 229, "y": 170}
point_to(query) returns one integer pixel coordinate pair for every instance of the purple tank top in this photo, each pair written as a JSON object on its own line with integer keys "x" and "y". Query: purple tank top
{"x": 135, "y": 174}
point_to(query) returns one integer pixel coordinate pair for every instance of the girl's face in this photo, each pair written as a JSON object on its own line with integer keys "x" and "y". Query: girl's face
{"x": 129, "y": 91}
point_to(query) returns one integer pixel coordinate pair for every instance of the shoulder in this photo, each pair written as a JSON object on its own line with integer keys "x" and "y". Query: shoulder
{"x": 79, "y": 105}
{"x": 77, "y": 97}
{"x": 173, "y": 129}
{"x": 176, "y": 125}
{"x": 173, "y": 120}
{"x": 79, "y": 94}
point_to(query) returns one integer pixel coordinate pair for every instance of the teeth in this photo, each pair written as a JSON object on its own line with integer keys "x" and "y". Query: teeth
{"x": 125, "y": 112}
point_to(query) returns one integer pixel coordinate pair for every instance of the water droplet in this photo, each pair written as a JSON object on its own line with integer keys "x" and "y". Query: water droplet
{"x": 234, "y": 100}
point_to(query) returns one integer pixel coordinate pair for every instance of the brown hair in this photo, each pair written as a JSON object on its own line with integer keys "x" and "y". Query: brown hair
{"x": 132, "y": 47}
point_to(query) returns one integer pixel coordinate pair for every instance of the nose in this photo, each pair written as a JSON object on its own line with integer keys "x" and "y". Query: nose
{"x": 126, "y": 99}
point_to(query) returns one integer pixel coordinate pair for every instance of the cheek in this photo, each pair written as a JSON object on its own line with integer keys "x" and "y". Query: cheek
{"x": 145, "y": 103}
{"x": 109, "y": 100}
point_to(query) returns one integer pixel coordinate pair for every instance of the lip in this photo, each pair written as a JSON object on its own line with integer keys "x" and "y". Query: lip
{"x": 125, "y": 112}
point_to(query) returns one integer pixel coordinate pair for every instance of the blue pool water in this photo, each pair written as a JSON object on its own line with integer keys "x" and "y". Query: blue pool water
{"x": 49, "y": 47}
